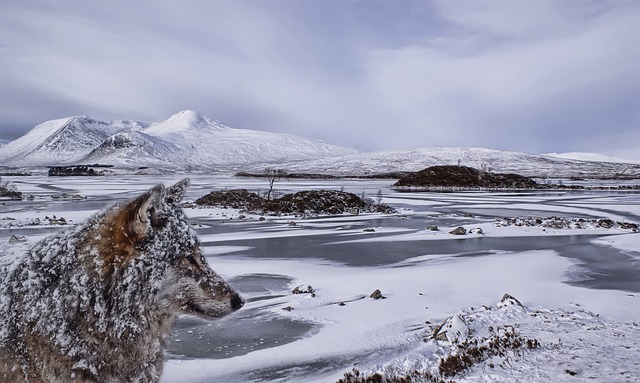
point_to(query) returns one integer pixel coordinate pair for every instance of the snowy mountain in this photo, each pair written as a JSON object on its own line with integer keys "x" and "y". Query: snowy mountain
{"x": 186, "y": 139}
{"x": 203, "y": 141}
{"x": 61, "y": 141}
{"x": 415, "y": 159}
{"x": 194, "y": 142}
{"x": 132, "y": 148}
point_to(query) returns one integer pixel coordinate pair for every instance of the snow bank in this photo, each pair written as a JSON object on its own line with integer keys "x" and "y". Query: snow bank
{"x": 388, "y": 334}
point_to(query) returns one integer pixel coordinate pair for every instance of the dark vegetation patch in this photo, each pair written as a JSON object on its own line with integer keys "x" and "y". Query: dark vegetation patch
{"x": 234, "y": 198}
{"x": 466, "y": 177}
{"x": 501, "y": 342}
{"x": 504, "y": 341}
{"x": 320, "y": 176}
{"x": 303, "y": 202}
{"x": 560, "y": 223}
{"x": 590, "y": 187}
{"x": 9, "y": 190}
{"x": 76, "y": 170}
{"x": 289, "y": 175}
{"x": 355, "y": 376}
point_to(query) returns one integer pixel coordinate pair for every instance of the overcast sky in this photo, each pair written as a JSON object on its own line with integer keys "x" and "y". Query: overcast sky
{"x": 536, "y": 76}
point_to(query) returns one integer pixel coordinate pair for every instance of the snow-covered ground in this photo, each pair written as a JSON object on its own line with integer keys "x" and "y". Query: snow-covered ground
{"x": 580, "y": 285}
{"x": 591, "y": 157}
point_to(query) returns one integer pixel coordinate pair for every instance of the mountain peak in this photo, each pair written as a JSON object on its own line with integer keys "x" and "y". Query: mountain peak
{"x": 184, "y": 122}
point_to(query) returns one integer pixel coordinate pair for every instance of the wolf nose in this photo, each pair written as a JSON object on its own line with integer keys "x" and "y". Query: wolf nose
{"x": 237, "y": 302}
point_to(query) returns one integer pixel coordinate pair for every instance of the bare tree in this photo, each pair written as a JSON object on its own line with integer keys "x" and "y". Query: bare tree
{"x": 7, "y": 186}
{"x": 379, "y": 197}
{"x": 273, "y": 176}
{"x": 485, "y": 168}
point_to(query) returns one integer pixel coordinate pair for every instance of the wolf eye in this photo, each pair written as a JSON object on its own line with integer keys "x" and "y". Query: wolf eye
{"x": 194, "y": 261}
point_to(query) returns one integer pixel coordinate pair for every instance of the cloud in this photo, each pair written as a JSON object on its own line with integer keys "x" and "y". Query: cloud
{"x": 465, "y": 87}
{"x": 537, "y": 76}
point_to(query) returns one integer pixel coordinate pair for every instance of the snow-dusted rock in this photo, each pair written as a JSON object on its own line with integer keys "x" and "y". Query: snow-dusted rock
{"x": 508, "y": 300}
{"x": 458, "y": 231}
{"x": 303, "y": 289}
{"x": 452, "y": 329}
{"x": 16, "y": 238}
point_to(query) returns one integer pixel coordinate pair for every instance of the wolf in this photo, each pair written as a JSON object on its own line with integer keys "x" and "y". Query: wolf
{"x": 96, "y": 303}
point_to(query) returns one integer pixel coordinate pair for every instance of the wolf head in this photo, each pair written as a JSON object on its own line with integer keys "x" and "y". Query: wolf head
{"x": 152, "y": 233}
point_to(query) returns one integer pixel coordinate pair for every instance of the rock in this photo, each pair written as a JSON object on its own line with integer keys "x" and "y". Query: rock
{"x": 458, "y": 231}
{"x": 342, "y": 304}
{"x": 369, "y": 230}
{"x": 16, "y": 238}
{"x": 262, "y": 219}
{"x": 629, "y": 226}
{"x": 605, "y": 223}
{"x": 67, "y": 196}
{"x": 303, "y": 289}
{"x": 509, "y": 300}
{"x": 432, "y": 228}
{"x": 377, "y": 294}
{"x": 56, "y": 220}
{"x": 477, "y": 230}
{"x": 453, "y": 329}
{"x": 288, "y": 308}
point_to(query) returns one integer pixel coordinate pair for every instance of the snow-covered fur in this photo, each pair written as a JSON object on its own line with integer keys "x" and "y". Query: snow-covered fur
{"x": 95, "y": 303}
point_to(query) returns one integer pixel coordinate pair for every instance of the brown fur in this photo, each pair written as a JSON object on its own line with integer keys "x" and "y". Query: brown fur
{"x": 96, "y": 303}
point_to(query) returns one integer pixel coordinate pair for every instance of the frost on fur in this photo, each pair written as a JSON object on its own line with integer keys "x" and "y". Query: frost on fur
{"x": 97, "y": 301}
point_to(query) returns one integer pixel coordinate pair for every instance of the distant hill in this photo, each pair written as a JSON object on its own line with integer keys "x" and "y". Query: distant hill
{"x": 185, "y": 140}
{"x": 502, "y": 161}
{"x": 592, "y": 157}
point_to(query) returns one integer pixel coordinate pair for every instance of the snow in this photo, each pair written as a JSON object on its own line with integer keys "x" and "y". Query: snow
{"x": 191, "y": 142}
{"x": 186, "y": 139}
{"x": 593, "y": 333}
{"x": 61, "y": 141}
{"x": 394, "y": 327}
{"x": 593, "y": 157}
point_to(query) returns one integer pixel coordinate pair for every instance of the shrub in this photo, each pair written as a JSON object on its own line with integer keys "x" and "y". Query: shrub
{"x": 355, "y": 376}
{"x": 9, "y": 189}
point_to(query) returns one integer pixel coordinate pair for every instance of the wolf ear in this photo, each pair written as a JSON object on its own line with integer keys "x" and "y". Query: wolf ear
{"x": 146, "y": 213}
{"x": 175, "y": 193}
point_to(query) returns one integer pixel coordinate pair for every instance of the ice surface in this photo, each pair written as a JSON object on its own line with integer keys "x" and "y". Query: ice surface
{"x": 426, "y": 277}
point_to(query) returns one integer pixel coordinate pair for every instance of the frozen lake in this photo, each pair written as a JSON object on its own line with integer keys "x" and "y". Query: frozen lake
{"x": 317, "y": 340}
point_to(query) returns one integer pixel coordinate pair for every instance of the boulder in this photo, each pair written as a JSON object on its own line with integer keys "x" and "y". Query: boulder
{"x": 453, "y": 329}
{"x": 509, "y": 300}
{"x": 458, "y": 231}
{"x": 303, "y": 289}
{"x": 16, "y": 238}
